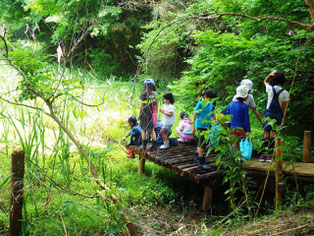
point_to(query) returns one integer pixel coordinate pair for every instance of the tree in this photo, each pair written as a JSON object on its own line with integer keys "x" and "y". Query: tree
{"x": 39, "y": 82}
{"x": 242, "y": 39}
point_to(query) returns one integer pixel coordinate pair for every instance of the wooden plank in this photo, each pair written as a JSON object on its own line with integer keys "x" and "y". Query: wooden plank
{"x": 299, "y": 168}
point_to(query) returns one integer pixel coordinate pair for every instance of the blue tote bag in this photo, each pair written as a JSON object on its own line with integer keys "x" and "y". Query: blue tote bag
{"x": 246, "y": 147}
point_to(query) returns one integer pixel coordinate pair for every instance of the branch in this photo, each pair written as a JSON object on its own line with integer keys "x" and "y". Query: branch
{"x": 65, "y": 189}
{"x": 303, "y": 25}
{"x": 92, "y": 168}
{"x": 24, "y": 105}
{"x": 78, "y": 41}
{"x": 5, "y": 44}
{"x": 85, "y": 104}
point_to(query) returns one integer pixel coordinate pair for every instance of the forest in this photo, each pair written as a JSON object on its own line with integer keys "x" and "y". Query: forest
{"x": 72, "y": 73}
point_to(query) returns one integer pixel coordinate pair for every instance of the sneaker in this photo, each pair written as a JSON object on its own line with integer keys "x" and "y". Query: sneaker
{"x": 143, "y": 146}
{"x": 129, "y": 154}
{"x": 154, "y": 146}
{"x": 180, "y": 140}
{"x": 268, "y": 159}
{"x": 165, "y": 145}
{"x": 261, "y": 158}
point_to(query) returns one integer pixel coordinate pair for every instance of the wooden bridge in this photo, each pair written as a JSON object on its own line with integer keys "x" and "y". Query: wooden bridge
{"x": 180, "y": 159}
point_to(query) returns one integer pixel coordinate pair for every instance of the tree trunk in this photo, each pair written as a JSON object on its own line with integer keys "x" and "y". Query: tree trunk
{"x": 310, "y": 6}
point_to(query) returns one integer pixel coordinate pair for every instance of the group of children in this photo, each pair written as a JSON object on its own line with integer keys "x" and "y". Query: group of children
{"x": 203, "y": 117}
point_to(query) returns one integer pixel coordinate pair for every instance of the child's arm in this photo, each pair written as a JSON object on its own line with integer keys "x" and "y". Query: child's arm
{"x": 180, "y": 127}
{"x": 193, "y": 123}
{"x": 127, "y": 135}
{"x": 166, "y": 113}
{"x": 284, "y": 108}
{"x": 268, "y": 76}
{"x": 255, "y": 111}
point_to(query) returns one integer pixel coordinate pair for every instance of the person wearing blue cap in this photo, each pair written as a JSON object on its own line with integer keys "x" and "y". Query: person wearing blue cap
{"x": 148, "y": 105}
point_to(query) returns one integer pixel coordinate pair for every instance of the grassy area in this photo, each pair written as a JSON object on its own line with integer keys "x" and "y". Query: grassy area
{"x": 61, "y": 196}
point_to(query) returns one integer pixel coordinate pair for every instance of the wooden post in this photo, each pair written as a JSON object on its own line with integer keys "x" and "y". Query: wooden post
{"x": 279, "y": 182}
{"x": 17, "y": 193}
{"x": 208, "y": 196}
{"x": 141, "y": 165}
{"x": 306, "y": 146}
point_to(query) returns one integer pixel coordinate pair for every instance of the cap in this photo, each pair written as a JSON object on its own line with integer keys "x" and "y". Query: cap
{"x": 131, "y": 118}
{"x": 242, "y": 91}
{"x": 247, "y": 83}
{"x": 149, "y": 81}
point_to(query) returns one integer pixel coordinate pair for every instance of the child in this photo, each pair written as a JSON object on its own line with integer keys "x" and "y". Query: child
{"x": 240, "y": 121}
{"x": 148, "y": 103}
{"x": 201, "y": 122}
{"x": 184, "y": 129}
{"x": 250, "y": 100}
{"x": 168, "y": 118}
{"x": 135, "y": 134}
{"x": 275, "y": 109}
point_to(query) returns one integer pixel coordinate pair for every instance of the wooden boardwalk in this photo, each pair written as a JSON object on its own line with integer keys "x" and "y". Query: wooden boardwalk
{"x": 180, "y": 159}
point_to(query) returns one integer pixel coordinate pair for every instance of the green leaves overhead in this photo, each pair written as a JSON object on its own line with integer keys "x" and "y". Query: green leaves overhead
{"x": 71, "y": 16}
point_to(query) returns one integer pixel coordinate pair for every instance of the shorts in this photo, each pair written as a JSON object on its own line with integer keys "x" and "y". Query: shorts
{"x": 239, "y": 132}
{"x": 201, "y": 139}
{"x": 168, "y": 128}
{"x": 277, "y": 117}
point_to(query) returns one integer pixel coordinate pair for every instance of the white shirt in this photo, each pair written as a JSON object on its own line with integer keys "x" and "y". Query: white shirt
{"x": 168, "y": 120}
{"x": 249, "y": 101}
{"x": 283, "y": 96}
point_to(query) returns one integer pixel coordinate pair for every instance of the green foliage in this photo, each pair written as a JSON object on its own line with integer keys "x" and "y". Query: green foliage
{"x": 103, "y": 63}
{"x": 230, "y": 159}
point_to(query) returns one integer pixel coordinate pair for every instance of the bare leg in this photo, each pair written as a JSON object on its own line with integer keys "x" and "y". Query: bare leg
{"x": 273, "y": 134}
{"x": 163, "y": 134}
{"x": 153, "y": 134}
{"x": 144, "y": 134}
{"x": 200, "y": 151}
{"x": 266, "y": 134}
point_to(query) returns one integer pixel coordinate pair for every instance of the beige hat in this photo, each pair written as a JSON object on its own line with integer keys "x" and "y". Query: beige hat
{"x": 242, "y": 92}
{"x": 247, "y": 83}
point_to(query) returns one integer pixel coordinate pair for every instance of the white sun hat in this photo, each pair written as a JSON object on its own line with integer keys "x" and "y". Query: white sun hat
{"x": 242, "y": 92}
{"x": 247, "y": 83}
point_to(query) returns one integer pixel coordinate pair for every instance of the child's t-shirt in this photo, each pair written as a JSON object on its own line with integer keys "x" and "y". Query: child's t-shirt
{"x": 283, "y": 96}
{"x": 203, "y": 111}
{"x": 135, "y": 134}
{"x": 249, "y": 101}
{"x": 240, "y": 115}
{"x": 168, "y": 120}
{"x": 185, "y": 126}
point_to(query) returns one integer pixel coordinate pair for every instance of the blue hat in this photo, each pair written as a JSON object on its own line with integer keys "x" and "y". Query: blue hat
{"x": 149, "y": 81}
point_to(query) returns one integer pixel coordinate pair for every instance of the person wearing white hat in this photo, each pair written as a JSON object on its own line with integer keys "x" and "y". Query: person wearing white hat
{"x": 250, "y": 100}
{"x": 240, "y": 122}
